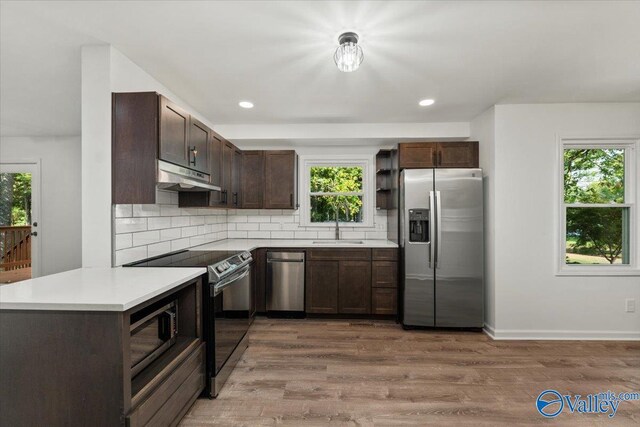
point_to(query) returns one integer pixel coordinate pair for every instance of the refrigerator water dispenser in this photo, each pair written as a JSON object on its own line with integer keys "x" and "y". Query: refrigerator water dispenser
{"x": 419, "y": 225}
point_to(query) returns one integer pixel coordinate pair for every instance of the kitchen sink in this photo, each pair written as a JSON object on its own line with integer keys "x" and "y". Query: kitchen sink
{"x": 338, "y": 242}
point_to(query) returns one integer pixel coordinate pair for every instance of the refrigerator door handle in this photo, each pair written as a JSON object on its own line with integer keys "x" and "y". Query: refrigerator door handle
{"x": 432, "y": 223}
{"x": 438, "y": 250}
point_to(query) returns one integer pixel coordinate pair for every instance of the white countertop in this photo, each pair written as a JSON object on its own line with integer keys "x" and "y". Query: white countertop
{"x": 251, "y": 244}
{"x": 94, "y": 289}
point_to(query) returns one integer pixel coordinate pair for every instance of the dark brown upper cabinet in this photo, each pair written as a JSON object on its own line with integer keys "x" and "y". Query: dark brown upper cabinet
{"x": 281, "y": 180}
{"x": 252, "y": 186}
{"x": 134, "y": 147}
{"x": 236, "y": 174}
{"x": 449, "y": 154}
{"x": 147, "y": 127}
{"x": 227, "y": 166}
{"x": 174, "y": 133}
{"x": 215, "y": 168}
{"x": 198, "y": 148}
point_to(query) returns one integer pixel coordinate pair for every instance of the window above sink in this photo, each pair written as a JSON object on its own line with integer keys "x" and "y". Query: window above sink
{"x": 337, "y": 183}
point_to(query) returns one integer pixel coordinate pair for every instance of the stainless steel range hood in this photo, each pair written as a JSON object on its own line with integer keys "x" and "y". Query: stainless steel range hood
{"x": 178, "y": 178}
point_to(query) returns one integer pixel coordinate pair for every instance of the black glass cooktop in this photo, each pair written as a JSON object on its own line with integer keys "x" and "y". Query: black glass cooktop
{"x": 185, "y": 258}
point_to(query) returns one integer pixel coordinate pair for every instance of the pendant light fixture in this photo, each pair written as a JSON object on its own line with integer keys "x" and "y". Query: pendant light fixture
{"x": 348, "y": 56}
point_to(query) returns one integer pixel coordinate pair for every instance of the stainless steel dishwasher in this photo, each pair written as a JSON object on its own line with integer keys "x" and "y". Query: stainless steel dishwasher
{"x": 285, "y": 284}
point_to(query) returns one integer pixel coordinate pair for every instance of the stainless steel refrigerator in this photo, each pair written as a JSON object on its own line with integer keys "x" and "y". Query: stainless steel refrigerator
{"x": 441, "y": 240}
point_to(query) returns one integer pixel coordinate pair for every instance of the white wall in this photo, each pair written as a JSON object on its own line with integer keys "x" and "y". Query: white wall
{"x": 531, "y": 301}
{"x": 483, "y": 131}
{"x": 60, "y": 216}
{"x": 106, "y": 70}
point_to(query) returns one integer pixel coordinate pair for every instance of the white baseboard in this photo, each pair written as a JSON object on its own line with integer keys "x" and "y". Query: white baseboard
{"x": 523, "y": 334}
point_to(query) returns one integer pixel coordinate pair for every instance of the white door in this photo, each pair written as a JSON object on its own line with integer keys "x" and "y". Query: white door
{"x": 20, "y": 227}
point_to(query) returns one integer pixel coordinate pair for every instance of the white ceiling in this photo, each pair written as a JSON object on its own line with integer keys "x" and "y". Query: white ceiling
{"x": 466, "y": 55}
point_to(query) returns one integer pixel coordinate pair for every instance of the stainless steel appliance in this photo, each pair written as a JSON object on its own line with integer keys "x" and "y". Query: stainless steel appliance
{"x": 229, "y": 306}
{"x": 178, "y": 178}
{"x": 285, "y": 283}
{"x": 441, "y": 242}
{"x": 153, "y": 330}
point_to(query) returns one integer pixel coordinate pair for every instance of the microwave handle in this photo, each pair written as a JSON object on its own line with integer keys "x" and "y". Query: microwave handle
{"x": 167, "y": 328}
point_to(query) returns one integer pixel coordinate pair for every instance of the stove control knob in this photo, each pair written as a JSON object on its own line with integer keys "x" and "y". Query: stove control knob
{"x": 220, "y": 268}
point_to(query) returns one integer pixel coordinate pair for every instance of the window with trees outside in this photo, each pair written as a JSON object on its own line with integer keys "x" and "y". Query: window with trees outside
{"x": 598, "y": 204}
{"x": 336, "y": 188}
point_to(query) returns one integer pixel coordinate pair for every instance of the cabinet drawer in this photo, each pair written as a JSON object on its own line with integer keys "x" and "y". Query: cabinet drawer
{"x": 383, "y": 300}
{"x": 384, "y": 274}
{"x": 168, "y": 401}
{"x": 390, "y": 254}
{"x": 339, "y": 254}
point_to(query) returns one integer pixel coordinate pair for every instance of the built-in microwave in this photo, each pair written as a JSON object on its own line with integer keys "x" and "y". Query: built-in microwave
{"x": 153, "y": 331}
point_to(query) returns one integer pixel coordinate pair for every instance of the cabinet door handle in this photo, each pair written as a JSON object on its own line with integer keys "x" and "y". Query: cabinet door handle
{"x": 291, "y": 199}
{"x": 235, "y": 199}
{"x": 224, "y": 197}
{"x": 434, "y": 159}
{"x": 193, "y": 150}
{"x": 439, "y": 158}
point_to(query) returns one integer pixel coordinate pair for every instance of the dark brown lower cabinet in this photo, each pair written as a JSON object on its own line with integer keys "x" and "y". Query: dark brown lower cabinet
{"x": 384, "y": 300}
{"x": 384, "y": 274}
{"x": 73, "y": 368}
{"x": 354, "y": 287}
{"x": 321, "y": 291}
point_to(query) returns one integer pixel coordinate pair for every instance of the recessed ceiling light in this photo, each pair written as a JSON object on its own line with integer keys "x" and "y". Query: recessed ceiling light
{"x": 426, "y": 102}
{"x": 245, "y": 104}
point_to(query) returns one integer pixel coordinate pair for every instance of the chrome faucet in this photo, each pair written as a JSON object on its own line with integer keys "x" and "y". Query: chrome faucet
{"x": 346, "y": 209}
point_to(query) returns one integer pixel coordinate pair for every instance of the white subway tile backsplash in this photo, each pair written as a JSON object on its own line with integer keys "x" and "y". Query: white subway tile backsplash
{"x": 196, "y": 220}
{"x": 159, "y": 248}
{"x": 176, "y": 245}
{"x": 290, "y": 226}
{"x": 237, "y": 218}
{"x": 163, "y": 197}
{"x": 169, "y": 210}
{"x": 190, "y": 231}
{"x": 352, "y": 235}
{"x": 179, "y": 221}
{"x": 269, "y": 226}
{"x": 123, "y": 211}
{"x": 237, "y": 234}
{"x": 125, "y": 256}
{"x": 259, "y": 234}
{"x": 158, "y": 223}
{"x": 282, "y": 234}
{"x": 306, "y": 235}
{"x": 146, "y": 238}
{"x": 247, "y": 227}
{"x": 170, "y": 234}
{"x": 232, "y": 227}
{"x": 129, "y": 225}
{"x": 123, "y": 241}
{"x": 257, "y": 218}
{"x": 146, "y": 210}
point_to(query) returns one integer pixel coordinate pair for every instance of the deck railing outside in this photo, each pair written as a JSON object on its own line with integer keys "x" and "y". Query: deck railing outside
{"x": 15, "y": 247}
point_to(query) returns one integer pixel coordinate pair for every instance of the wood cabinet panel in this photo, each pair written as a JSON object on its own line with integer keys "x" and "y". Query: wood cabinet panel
{"x": 174, "y": 133}
{"x": 236, "y": 174}
{"x": 134, "y": 147}
{"x": 354, "y": 287}
{"x": 458, "y": 154}
{"x": 448, "y": 154}
{"x": 321, "y": 290}
{"x": 227, "y": 166}
{"x": 339, "y": 254}
{"x": 215, "y": 168}
{"x": 198, "y": 147}
{"x": 384, "y": 274}
{"x": 280, "y": 180}
{"x": 252, "y": 179}
{"x": 384, "y": 301}
{"x": 418, "y": 155}
{"x": 385, "y": 254}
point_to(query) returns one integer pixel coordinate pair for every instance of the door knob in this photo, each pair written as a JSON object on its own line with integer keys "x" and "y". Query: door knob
{"x": 34, "y": 233}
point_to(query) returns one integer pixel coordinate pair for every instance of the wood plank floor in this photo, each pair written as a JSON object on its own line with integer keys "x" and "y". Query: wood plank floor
{"x": 373, "y": 373}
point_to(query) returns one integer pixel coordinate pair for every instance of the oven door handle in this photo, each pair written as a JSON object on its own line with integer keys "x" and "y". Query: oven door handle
{"x": 219, "y": 287}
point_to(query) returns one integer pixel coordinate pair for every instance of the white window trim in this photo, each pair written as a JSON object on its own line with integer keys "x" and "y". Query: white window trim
{"x": 632, "y": 160}
{"x": 367, "y": 163}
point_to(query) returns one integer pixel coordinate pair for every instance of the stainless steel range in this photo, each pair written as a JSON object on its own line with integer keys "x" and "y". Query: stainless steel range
{"x": 229, "y": 306}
